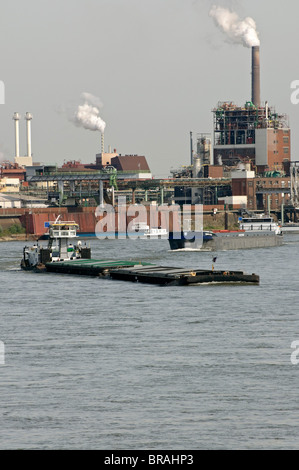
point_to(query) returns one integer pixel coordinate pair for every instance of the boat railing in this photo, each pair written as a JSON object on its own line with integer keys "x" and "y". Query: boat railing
{"x": 158, "y": 230}
{"x": 258, "y": 227}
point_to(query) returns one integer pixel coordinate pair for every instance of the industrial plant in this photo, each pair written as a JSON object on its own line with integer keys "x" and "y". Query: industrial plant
{"x": 244, "y": 165}
{"x": 247, "y": 159}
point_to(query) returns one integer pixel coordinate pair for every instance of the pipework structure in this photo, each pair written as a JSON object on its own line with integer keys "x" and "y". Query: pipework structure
{"x": 295, "y": 184}
{"x": 237, "y": 124}
{"x": 203, "y": 154}
{"x": 253, "y": 133}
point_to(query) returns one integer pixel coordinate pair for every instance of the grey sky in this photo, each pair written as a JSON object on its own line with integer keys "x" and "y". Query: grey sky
{"x": 158, "y": 66}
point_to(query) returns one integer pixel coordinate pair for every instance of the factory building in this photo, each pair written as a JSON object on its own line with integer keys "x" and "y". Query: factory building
{"x": 247, "y": 158}
{"x": 134, "y": 166}
{"x": 257, "y": 192}
{"x": 248, "y": 134}
{"x": 104, "y": 158}
{"x": 12, "y": 170}
{"x": 252, "y": 133}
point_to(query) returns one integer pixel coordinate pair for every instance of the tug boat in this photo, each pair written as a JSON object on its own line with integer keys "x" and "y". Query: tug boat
{"x": 61, "y": 247}
{"x": 258, "y": 231}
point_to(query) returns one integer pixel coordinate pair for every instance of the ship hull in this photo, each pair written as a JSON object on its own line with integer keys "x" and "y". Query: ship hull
{"x": 227, "y": 241}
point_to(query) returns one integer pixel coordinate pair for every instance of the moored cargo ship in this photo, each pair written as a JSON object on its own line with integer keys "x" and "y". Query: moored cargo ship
{"x": 254, "y": 232}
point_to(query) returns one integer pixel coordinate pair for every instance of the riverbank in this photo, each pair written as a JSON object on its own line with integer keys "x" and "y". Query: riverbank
{"x": 17, "y": 237}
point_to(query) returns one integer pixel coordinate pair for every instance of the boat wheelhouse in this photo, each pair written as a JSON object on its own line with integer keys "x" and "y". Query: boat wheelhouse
{"x": 259, "y": 222}
{"x": 62, "y": 246}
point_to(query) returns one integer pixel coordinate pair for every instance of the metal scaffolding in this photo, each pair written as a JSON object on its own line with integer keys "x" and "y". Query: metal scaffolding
{"x": 234, "y": 125}
{"x": 294, "y": 170}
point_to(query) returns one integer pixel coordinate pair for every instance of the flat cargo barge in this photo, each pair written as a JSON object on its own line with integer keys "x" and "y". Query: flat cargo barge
{"x": 65, "y": 257}
{"x": 89, "y": 267}
{"x": 149, "y": 273}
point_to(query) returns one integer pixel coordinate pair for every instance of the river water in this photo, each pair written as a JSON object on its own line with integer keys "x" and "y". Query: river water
{"x": 90, "y": 363}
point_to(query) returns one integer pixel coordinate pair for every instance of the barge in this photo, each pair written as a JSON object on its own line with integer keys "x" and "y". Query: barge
{"x": 150, "y": 273}
{"x": 63, "y": 257}
{"x": 253, "y": 232}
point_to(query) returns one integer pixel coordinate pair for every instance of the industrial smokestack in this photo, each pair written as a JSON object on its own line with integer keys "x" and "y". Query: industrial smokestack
{"x": 102, "y": 143}
{"x": 255, "y": 78}
{"x": 28, "y": 118}
{"x": 16, "y": 118}
{"x": 238, "y": 31}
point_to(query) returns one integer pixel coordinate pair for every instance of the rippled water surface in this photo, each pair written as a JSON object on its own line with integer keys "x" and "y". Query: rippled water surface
{"x": 92, "y": 363}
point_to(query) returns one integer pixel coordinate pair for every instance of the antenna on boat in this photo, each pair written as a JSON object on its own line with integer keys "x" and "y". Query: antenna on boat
{"x": 57, "y": 219}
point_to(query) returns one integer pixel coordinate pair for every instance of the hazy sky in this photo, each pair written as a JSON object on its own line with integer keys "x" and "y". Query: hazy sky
{"x": 157, "y": 66}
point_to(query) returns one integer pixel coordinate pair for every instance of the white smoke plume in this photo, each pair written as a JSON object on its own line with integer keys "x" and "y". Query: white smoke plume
{"x": 91, "y": 99}
{"x": 237, "y": 31}
{"x": 87, "y": 114}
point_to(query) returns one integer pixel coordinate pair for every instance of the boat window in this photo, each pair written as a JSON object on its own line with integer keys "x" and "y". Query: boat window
{"x": 258, "y": 221}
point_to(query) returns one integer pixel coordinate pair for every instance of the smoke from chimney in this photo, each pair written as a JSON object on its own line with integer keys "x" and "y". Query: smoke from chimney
{"x": 237, "y": 31}
{"x": 87, "y": 115}
{"x": 244, "y": 32}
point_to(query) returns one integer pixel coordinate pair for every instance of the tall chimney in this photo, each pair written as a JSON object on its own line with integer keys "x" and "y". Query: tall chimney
{"x": 28, "y": 118}
{"x": 102, "y": 143}
{"x": 255, "y": 79}
{"x": 16, "y": 118}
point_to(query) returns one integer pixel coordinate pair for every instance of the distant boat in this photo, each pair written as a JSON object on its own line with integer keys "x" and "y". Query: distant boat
{"x": 142, "y": 230}
{"x": 254, "y": 232}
